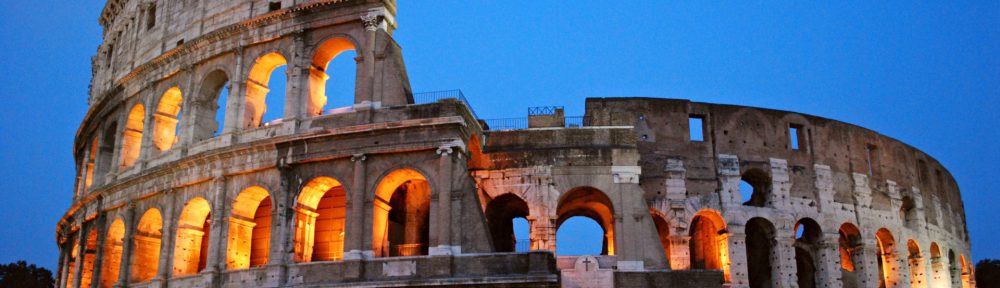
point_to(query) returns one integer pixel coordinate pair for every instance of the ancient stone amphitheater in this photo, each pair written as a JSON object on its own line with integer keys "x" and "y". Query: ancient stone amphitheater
{"x": 404, "y": 189}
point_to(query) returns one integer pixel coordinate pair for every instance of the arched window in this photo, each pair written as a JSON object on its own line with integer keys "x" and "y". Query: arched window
{"x": 940, "y": 276}
{"x": 760, "y": 250}
{"x": 758, "y": 183}
{"x": 89, "y": 255}
{"x": 210, "y": 107}
{"x": 708, "y": 244}
{"x": 132, "y": 137}
{"x": 263, "y": 98}
{"x": 91, "y": 160}
{"x": 908, "y": 213}
{"x": 332, "y": 73}
{"x": 589, "y": 203}
{"x": 319, "y": 221}
{"x": 850, "y": 254}
{"x": 886, "y": 258}
{"x": 165, "y": 119}
{"x": 249, "y": 229}
{"x": 401, "y": 225}
{"x": 112, "y": 257}
{"x": 500, "y": 215}
{"x": 663, "y": 233}
{"x": 71, "y": 264}
{"x": 106, "y": 152}
{"x": 808, "y": 246}
{"x": 193, "y": 227}
{"x": 916, "y": 263}
{"x": 146, "y": 254}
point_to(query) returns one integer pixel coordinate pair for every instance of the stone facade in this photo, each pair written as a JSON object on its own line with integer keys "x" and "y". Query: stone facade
{"x": 391, "y": 192}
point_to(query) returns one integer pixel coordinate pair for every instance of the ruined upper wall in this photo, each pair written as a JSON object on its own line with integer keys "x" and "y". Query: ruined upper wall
{"x": 756, "y": 135}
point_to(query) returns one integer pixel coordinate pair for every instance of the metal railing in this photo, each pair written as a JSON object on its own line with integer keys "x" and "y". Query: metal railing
{"x": 435, "y": 96}
{"x": 543, "y": 110}
{"x": 518, "y": 123}
{"x": 522, "y": 245}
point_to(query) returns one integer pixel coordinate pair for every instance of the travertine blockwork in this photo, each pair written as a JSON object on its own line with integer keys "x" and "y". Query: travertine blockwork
{"x": 179, "y": 188}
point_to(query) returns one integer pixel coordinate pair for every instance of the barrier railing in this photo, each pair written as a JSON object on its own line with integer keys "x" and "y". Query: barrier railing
{"x": 435, "y": 96}
{"x": 519, "y": 123}
{"x": 522, "y": 245}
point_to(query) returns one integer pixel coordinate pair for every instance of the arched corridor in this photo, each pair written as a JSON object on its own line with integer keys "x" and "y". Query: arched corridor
{"x": 258, "y": 90}
{"x": 132, "y": 136}
{"x": 808, "y": 248}
{"x": 401, "y": 224}
{"x": 165, "y": 120}
{"x": 760, "y": 252}
{"x": 193, "y": 230}
{"x": 249, "y": 229}
{"x": 112, "y": 253}
{"x": 146, "y": 252}
{"x": 851, "y": 249}
{"x": 319, "y": 221}
{"x": 500, "y": 215}
{"x": 593, "y": 204}
{"x": 335, "y": 57}
{"x": 709, "y": 242}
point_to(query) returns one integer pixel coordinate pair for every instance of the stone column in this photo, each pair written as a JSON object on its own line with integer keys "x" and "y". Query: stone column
{"x": 444, "y": 246}
{"x": 680, "y": 252}
{"x": 543, "y": 232}
{"x": 781, "y": 184}
{"x": 824, "y": 189}
{"x": 297, "y": 91}
{"x": 102, "y": 235}
{"x": 729, "y": 178}
{"x": 64, "y": 256}
{"x": 734, "y": 268}
{"x": 167, "y": 237}
{"x": 185, "y": 129}
{"x": 128, "y": 244}
{"x": 828, "y": 261}
{"x": 237, "y": 93}
{"x": 785, "y": 265}
{"x": 81, "y": 250}
{"x": 216, "y": 237}
{"x": 358, "y": 242}
{"x": 364, "y": 92}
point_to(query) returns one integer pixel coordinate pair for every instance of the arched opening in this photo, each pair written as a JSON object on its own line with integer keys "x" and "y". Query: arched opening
{"x": 193, "y": 227}
{"x": 146, "y": 254}
{"x": 264, "y": 98}
{"x": 332, "y": 75}
{"x": 165, "y": 119}
{"x": 71, "y": 264}
{"x": 940, "y": 274}
{"x": 210, "y": 109}
{"x": 808, "y": 246}
{"x": 967, "y": 273}
{"x": 663, "y": 232}
{"x": 886, "y": 259}
{"x": 89, "y": 255}
{"x": 907, "y": 213}
{"x": 132, "y": 136}
{"x": 916, "y": 263}
{"x": 760, "y": 250}
{"x": 106, "y": 152}
{"x": 249, "y": 229}
{"x": 851, "y": 249}
{"x": 91, "y": 160}
{"x": 709, "y": 242}
{"x": 590, "y": 203}
{"x": 401, "y": 225}
{"x": 112, "y": 258}
{"x": 500, "y": 215}
{"x": 580, "y": 235}
{"x": 759, "y": 184}
{"x": 319, "y": 221}
{"x": 955, "y": 271}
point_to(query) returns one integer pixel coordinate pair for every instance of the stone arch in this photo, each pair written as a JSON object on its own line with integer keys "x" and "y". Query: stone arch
{"x": 888, "y": 272}
{"x": 500, "y": 215}
{"x": 401, "y": 224}
{"x": 132, "y": 135}
{"x": 112, "y": 258}
{"x": 591, "y": 203}
{"x": 257, "y": 87}
{"x": 106, "y": 152}
{"x": 191, "y": 247}
{"x": 915, "y": 259}
{"x": 165, "y": 119}
{"x": 851, "y": 248}
{"x": 908, "y": 213}
{"x": 209, "y": 106}
{"x": 89, "y": 256}
{"x": 709, "y": 242}
{"x": 662, "y": 231}
{"x": 954, "y": 272}
{"x": 320, "y": 214}
{"x": 808, "y": 246}
{"x": 74, "y": 255}
{"x": 940, "y": 274}
{"x": 249, "y": 229}
{"x": 147, "y": 239}
{"x": 318, "y": 71}
{"x": 760, "y": 182}
{"x": 967, "y": 272}
{"x": 760, "y": 242}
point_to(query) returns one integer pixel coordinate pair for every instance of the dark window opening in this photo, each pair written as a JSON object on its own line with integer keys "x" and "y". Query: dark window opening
{"x": 180, "y": 42}
{"x": 796, "y": 137}
{"x": 755, "y": 188}
{"x": 111, "y": 53}
{"x": 871, "y": 158}
{"x": 272, "y": 6}
{"x": 697, "y": 129}
{"x": 151, "y": 17}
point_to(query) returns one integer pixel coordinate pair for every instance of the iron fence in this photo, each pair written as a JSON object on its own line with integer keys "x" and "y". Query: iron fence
{"x": 435, "y": 96}
{"x": 519, "y": 123}
{"x": 522, "y": 245}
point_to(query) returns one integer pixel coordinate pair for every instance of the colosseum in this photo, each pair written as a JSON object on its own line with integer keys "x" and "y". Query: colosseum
{"x": 183, "y": 181}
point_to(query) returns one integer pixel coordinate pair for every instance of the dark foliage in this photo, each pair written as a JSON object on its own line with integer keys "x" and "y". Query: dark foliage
{"x": 988, "y": 273}
{"x": 20, "y": 274}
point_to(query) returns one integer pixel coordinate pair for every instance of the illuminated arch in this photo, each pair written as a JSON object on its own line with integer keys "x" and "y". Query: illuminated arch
{"x": 709, "y": 242}
{"x": 89, "y": 255}
{"x": 165, "y": 119}
{"x": 190, "y": 251}
{"x": 112, "y": 253}
{"x": 851, "y": 250}
{"x": 249, "y": 229}
{"x": 318, "y": 70}
{"x": 319, "y": 221}
{"x": 257, "y": 81}
{"x": 132, "y": 136}
{"x": 939, "y": 268}
{"x": 500, "y": 215}
{"x": 915, "y": 260}
{"x": 761, "y": 237}
{"x": 591, "y": 203}
{"x": 808, "y": 247}
{"x": 147, "y": 239}
{"x": 401, "y": 224}
{"x": 887, "y": 258}
{"x": 663, "y": 233}
{"x": 967, "y": 273}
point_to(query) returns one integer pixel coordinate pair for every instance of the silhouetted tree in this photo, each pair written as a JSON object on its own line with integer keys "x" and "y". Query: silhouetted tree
{"x": 20, "y": 274}
{"x": 988, "y": 273}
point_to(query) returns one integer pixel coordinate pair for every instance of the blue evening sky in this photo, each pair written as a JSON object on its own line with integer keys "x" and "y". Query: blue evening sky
{"x": 927, "y": 73}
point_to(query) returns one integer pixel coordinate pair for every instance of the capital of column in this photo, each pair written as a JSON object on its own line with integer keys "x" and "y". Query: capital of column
{"x": 445, "y": 150}
{"x": 358, "y": 158}
{"x": 371, "y": 21}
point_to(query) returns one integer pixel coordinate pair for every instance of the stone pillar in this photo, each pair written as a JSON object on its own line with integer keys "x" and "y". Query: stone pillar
{"x": 785, "y": 265}
{"x": 734, "y": 268}
{"x": 445, "y": 245}
{"x": 167, "y": 237}
{"x": 102, "y": 235}
{"x": 729, "y": 178}
{"x": 358, "y": 242}
{"x": 185, "y": 129}
{"x": 680, "y": 252}
{"x": 305, "y": 235}
{"x": 824, "y": 189}
{"x": 297, "y": 91}
{"x": 918, "y": 272}
{"x": 781, "y": 184}
{"x": 867, "y": 271}
{"x": 237, "y": 92}
{"x": 543, "y": 232}
{"x": 128, "y": 244}
{"x": 64, "y": 255}
{"x": 828, "y": 261}
{"x": 81, "y": 250}
{"x": 216, "y": 237}
{"x": 82, "y": 181}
